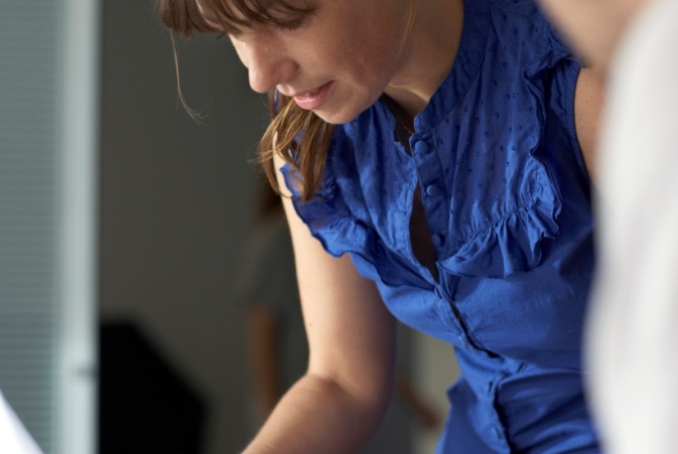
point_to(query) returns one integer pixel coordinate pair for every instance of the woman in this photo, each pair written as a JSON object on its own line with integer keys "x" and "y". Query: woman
{"x": 437, "y": 142}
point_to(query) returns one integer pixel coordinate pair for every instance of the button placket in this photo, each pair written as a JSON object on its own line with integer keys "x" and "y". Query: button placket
{"x": 429, "y": 169}
{"x": 421, "y": 147}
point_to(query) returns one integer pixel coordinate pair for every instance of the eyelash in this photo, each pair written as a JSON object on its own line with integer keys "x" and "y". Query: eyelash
{"x": 290, "y": 25}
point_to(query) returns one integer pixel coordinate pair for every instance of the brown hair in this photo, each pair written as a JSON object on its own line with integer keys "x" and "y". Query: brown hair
{"x": 298, "y": 136}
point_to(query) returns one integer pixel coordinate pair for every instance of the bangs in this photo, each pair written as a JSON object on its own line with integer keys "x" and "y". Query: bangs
{"x": 185, "y": 17}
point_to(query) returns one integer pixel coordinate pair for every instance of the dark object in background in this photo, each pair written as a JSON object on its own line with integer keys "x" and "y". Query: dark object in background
{"x": 144, "y": 406}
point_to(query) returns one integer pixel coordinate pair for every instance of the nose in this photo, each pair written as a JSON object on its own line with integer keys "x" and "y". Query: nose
{"x": 266, "y": 60}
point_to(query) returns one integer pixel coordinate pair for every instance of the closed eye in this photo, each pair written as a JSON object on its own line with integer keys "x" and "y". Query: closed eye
{"x": 291, "y": 25}
{"x": 288, "y": 25}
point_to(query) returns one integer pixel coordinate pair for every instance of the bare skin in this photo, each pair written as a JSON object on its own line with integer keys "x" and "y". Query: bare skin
{"x": 362, "y": 58}
{"x": 340, "y": 401}
{"x": 588, "y": 104}
{"x": 264, "y": 357}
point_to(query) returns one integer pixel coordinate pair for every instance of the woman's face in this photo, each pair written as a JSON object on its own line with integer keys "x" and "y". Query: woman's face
{"x": 337, "y": 62}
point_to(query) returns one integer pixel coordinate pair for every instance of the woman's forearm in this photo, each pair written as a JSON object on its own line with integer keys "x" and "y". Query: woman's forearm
{"x": 319, "y": 415}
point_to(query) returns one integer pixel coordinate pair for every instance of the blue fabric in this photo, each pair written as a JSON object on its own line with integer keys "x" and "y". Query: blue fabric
{"x": 507, "y": 201}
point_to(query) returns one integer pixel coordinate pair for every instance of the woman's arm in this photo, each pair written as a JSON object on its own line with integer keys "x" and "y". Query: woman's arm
{"x": 340, "y": 401}
{"x": 588, "y": 103}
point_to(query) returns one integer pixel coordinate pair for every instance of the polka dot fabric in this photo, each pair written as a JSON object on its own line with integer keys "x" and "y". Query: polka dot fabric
{"x": 507, "y": 201}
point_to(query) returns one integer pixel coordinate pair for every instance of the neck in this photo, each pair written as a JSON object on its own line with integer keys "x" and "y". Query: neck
{"x": 428, "y": 55}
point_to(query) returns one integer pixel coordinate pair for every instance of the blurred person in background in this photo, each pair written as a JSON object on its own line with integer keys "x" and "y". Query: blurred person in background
{"x": 267, "y": 286}
{"x": 633, "y": 326}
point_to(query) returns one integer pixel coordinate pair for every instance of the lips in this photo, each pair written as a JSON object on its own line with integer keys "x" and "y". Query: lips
{"x": 315, "y": 98}
{"x": 309, "y": 94}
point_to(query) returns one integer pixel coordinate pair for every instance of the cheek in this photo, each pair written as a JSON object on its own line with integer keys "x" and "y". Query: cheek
{"x": 366, "y": 46}
{"x": 373, "y": 59}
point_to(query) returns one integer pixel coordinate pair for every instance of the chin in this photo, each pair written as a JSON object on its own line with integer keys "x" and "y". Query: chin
{"x": 335, "y": 119}
{"x": 342, "y": 115}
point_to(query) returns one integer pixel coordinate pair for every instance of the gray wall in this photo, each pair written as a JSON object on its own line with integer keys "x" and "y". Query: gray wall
{"x": 176, "y": 202}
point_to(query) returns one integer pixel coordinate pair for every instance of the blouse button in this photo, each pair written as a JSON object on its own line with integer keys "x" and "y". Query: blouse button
{"x": 437, "y": 239}
{"x": 433, "y": 190}
{"x": 421, "y": 147}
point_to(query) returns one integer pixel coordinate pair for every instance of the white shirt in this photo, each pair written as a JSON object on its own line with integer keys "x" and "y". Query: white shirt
{"x": 632, "y": 341}
{"x": 14, "y": 439}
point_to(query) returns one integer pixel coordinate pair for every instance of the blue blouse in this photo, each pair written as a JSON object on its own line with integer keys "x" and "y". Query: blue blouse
{"x": 506, "y": 197}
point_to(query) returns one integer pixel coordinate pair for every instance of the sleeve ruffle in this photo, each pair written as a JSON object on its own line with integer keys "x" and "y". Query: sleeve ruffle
{"x": 512, "y": 244}
{"x": 515, "y": 242}
{"x": 340, "y": 231}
